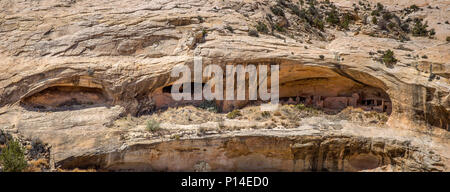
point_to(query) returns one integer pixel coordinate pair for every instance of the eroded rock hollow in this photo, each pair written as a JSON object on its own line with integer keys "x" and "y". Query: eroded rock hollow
{"x": 260, "y": 153}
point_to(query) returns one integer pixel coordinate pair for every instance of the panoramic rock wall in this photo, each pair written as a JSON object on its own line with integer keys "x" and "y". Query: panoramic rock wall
{"x": 131, "y": 60}
{"x": 263, "y": 153}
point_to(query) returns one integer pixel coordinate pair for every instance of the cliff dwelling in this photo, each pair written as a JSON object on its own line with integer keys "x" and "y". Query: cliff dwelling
{"x": 317, "y": 87}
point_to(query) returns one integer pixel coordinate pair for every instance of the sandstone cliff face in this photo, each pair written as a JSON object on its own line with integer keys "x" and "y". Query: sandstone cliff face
{"x": 114, "y": 56}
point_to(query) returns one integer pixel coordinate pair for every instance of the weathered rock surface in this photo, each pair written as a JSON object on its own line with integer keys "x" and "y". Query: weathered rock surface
{"x": 121, "y": 52}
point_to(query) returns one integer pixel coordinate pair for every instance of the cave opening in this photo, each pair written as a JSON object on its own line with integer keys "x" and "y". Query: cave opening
{"x": 321, "y": 88}
{"x": 66, "y": 98}
{"x": 331, "y": 90}
{"x": 364, "y": 97}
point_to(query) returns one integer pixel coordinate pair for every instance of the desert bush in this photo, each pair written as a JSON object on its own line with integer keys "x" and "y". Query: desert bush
{"x": 432, "y": 32}
{"x": 233, "y": 114}
{"x": 447, "y": 39}
{"x": 294, "y": 8}
{"x": 12, "y": 157}
{"x": 229, "y": 28}
{"x": 200, "y": 19}
{"x": 37, "y": 165}
{"x": 37, "y": 148}
{"x": 410, "y": 9}
{"x": 153, "y": 125}
{"x": 302, "y": 107}
{"x": 387, "y": 16}
{"x": 405, "y": 27}
{"x": 391, "y": 25}
{"x": 204, "y": 32}
{"x": 277, "y": 11}
{"x": 375, "y": 13}
{"x": 261, "y": 27}
{"x": 319, "y": 24}
{"x": 265, "y": 114}
{"x": 420, "y": 29}
{"x": 321, "y": 57}
{"x": 209, "y": 106}
{"x": 374, "y": 20}
{"x": 278, "y": 28}
{"x": 253, "y": 33}
{"x": 380, "y": 7}
{"x": 332, "y": 17}
{"x": 345, "y": 21}
{"x": 414, "y": 7}
{"x": 388, "y": 58}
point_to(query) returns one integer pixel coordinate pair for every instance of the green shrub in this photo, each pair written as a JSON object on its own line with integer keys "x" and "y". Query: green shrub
{"x": 380, "y": 7}
{"x": 261, "y": 27}
{"x": 253, "y": 33}
{"x": 410, "y": 9}
{"x": 200, "y": 19}
{"x": 319, "y": 24}
{"x": 153, "y": 125}
{"x": 420, "y": 29}
{"x": 405, "y": 27}
{"x": 432, "y": 32}
{"x": 375, "y": 13}
{"x": 278, "y": 28}
{"x": 321, "y": 57}
{"x": 388, "y": 58}
{"x": 277, "y": 11}
{"x": 374, "y": 20}
{"x": 332, "y": 17}
{"x": 204, "y": 32}
{"x": 387, "y": 16}
{"x": 447, "y": 39}
{"x": 294, "y": 8}
{"x": 300, "y": 106}
{"x": 209, "y": 106}
{"x": 391, "y": 25}
{"x": 345, "y": 21}
{"x": 414, "y": 7}
{"x": 229, "y": 28}
{"x": 233, "y": 114}
{"x": 12, "y": 157}
{"x": 265, "y": 114}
